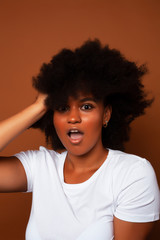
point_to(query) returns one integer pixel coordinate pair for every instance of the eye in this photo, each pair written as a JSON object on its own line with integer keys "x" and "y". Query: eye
{"x": 62, "y": 109}
{"x": 87, "y": 106}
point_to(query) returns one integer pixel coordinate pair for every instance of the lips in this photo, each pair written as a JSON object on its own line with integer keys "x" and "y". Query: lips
{"x": 75, "y": 136}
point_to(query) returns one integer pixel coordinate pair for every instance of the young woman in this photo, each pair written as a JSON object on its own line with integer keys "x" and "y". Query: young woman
{"x": 86, "y": 188}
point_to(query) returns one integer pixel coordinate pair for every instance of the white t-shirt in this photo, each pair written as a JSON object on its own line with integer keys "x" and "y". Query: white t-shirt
{"x": 125, "y": 186}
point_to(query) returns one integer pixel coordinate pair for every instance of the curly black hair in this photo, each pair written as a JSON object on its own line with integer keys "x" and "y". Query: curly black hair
{"x": 98, "y": 70}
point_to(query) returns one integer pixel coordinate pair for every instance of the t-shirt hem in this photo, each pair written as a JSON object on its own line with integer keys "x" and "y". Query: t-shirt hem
{"x": 140, "y": 219}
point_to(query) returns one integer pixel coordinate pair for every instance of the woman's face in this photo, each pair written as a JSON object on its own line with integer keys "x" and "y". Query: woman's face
{"x": 79, "y": 124}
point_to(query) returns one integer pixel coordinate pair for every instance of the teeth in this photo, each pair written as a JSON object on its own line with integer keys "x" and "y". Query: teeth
{"x": 74, "y": 131}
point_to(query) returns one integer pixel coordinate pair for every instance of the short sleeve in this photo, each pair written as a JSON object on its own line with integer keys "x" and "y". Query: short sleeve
{"x": 139, "y": 198}
{"x": 27, "y": 158}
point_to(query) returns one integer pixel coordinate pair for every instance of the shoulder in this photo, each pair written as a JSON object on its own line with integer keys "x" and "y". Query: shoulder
{"x": 130, "y": 169}
{"x": 135, "y": 188}
{"x": 125, "y": 161}
{"x": 41, "y": 152}
{"x": 40, "y": 162}
{"x": 41, "y": 156}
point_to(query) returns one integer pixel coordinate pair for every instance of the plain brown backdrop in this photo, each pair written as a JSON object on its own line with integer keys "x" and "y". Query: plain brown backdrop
{"x": 31, "y": 31}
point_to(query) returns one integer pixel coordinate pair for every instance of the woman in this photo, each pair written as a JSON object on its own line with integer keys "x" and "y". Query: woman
{"x": 91, "y": 190}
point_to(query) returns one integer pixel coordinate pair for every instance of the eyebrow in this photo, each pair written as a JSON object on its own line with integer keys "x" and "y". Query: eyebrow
{"x": 88, "y": 99}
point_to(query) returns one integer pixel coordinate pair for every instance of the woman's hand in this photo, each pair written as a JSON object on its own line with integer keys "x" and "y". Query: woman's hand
{"x": 40, "y": 99}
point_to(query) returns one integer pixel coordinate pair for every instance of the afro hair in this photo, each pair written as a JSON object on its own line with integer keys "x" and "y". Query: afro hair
{"x": 98, "y": 70}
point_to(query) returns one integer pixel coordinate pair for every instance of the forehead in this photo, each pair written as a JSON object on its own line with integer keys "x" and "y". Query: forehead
{"x": 82, "y": 97}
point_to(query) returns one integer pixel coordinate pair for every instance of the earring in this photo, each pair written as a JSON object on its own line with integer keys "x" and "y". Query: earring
{"x": 106, "y": 123}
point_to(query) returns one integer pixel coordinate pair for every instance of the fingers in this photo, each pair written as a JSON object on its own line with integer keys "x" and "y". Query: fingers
{"x": 40, "y": 99}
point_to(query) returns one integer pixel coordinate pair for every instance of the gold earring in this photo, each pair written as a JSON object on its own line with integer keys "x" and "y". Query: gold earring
{"x": 105, "y": 124}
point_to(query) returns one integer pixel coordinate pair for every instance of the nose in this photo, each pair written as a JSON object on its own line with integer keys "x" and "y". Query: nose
{"x": 74, "y": 116}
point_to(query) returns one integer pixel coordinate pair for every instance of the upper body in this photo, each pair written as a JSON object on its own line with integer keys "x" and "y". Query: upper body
{"x": 124, "y": 187}
{"x": 118, "y": 192}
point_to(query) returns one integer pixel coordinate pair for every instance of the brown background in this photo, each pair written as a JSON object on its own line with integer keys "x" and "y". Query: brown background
{"x": 32, "y": 31}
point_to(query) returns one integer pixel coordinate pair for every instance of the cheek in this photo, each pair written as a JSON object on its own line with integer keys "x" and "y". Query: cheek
{"x": 94, "y": 123}
{"x": 58, "y": 123}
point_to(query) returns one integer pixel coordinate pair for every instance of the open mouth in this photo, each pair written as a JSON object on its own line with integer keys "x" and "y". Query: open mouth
{"x": 75, "y": 135}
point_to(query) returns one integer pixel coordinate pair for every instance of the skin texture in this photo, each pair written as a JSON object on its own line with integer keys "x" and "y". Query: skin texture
{"x": 12, "y": 175}
{"x": 131, "y": 231}
{"x": 85, "y": 153}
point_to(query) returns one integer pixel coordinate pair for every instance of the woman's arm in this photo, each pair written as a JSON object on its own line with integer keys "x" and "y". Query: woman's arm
{"x": 15, "y": 125}
{"x": 12, "y": 174}
{"x": 131, "y": 231}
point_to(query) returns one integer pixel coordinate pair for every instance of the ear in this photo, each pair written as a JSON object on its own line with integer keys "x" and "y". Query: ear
{"x": 107, "y": 115}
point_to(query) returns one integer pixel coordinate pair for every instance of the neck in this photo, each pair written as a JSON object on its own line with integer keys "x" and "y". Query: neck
{"x": 91, "y": 160}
